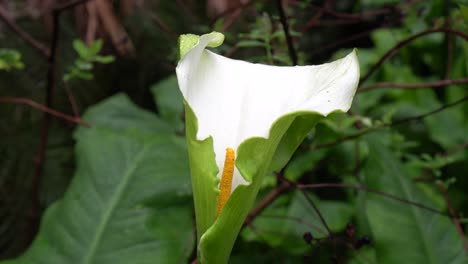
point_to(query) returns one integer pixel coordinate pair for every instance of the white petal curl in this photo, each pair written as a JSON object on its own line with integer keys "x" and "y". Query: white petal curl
{"x": 235, "y": 100}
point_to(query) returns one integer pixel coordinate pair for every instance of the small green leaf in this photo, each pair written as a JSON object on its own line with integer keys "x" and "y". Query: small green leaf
{"x": 95, "y": 47}
{"x": 83, "y": 75}
{"x": 81, "y": 48}
{"x": 250, "y": 43}
{"x": 104, "y": 59}
{"x": 10, "y": 59}
{"x": 83, "y": 65}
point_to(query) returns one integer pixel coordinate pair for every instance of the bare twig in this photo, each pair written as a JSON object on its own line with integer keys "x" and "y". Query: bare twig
{"x": 405, "y": 42}
{"x": 231, "y": 10}
{"x": 456, "y": 149}
{"x": 72, "y": 100}
{"x": 45, "y": 109}
{"x": 112, "y": 26}
{"x": 44, "y": 132}
{"x": 340, "y": 42}
{"x": 435, "y": 111}
{"x": 165, "y": 28}
{"x": 68, "y": 5}
{"x": 441, "y": 83}
{"x": 5, "y": 17}
{"x": 312, "y": 203}
{"x": 386, "y": 125}
{"x": 269, "y": 198}
{"x": 363, "y": 188}
{"x": 453, "y": 215}
{"x": 284, "y": 23}
{"x": 344, "y": 18}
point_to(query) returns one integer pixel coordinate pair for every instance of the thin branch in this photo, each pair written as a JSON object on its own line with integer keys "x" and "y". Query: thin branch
{"x": 5, "y": 17}
{"x": 435, "y": 111}
{"x": 45, "y": 109}
{"x": 187, "y": 10}
{"x": 165, "y": 28}
{"x": 453, "y": 215}
{"x": 317, "y": 16}
{"x": 441, "y": 83}
{"x": 363, "y": 188}
{"x": 386, "y": 125}
{"x": 284, "y": 23}
{"x": 231, "y": 10}
{"x": 269, "y": 198}
{"x": 72, "y": 100}
{"x": 340, "y": 42}
{"x": 456, "y": 149}
{"x": 312, "y": 203}
{"x": 72, "y": 3}
{"x": 345, "y": 18}
{"x": 407, "y": 41}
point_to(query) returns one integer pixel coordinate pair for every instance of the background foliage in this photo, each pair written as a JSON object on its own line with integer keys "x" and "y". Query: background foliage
{"x": 385, "y": 183}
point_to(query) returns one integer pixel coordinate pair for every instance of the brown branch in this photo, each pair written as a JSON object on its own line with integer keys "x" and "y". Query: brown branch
{"x": 45, "y": 109}
{"x": 44, "y": 132}
{"x": 317, "y": 16}
{"x": 360, "y": 16}
{"x": 405, "y": 42}
{"x": 435, "y": 111}
{"x": 340, "y": 42}
{"x": 386, "y": 125}
{"x": 441, "y": 83}
{"x": 456, "y": 149}
{"x": 289, "y": 41}
{"x": 363, "y": 188}
{"x": 453, "y": 215}
{"x": 72, "y": 3}
{"x": 187, "y": 10}
{"x": 72, "y": 100}
{"x": 231, "y": 10}
{"x": 312, "y": 203}
{"x": 165, "y": 28}
{"x": 5, "y": 17}
{"x": 112, "y": 26}
{"x": 269, "y": 198}
{"x": 344, "y": 18}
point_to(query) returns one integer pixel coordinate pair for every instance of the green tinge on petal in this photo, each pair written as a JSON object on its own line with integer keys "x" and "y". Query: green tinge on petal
{"x": 186, "y": 42}
{"x": 203, "y": 170}
{"x": 254, "y": 160}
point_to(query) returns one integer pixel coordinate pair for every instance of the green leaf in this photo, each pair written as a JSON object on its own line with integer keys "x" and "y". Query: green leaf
{"x": 250, "y": 43}
{"x": 104, "y": 59}
{"x": 83, "y": 65}
{"x": 169, "y": 101}
{"x": 95, "y": 47}
{"x": 10, "y": 59}
{"x": 81, "y": 48}
{"x": 283, "y": 226}
{"x": 129, "y": 201}
{"x": 403, "y": 232}
{"x": 83, "y": 75}
{"x": 303, "y": 163}
{"x": 120, "y": 114}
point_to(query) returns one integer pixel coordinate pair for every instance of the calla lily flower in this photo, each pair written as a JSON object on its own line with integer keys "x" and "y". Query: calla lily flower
{"x": 243, "y": 120}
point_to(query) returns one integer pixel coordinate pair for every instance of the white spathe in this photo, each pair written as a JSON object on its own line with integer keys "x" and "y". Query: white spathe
{"x": 235, "y": 100}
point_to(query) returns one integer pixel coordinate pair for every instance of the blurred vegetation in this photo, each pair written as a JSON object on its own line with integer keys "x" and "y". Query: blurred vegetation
{"x": 385, "y": 183}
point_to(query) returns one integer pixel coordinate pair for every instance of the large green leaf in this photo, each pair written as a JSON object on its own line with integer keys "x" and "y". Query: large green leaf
{"x": 282, "y": 225}
{"x": 129, "y": 201}
{"x": 404, "y": 233}
{"x": 169, "y": 101}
